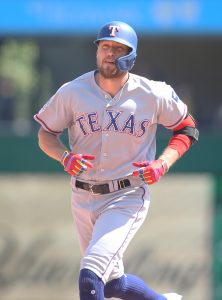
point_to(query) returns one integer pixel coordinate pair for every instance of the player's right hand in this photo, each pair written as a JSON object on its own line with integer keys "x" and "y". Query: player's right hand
{"x": 75, "y": 164}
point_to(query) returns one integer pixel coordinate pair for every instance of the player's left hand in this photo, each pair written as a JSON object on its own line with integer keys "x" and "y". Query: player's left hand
{"x": 150, "y": 171}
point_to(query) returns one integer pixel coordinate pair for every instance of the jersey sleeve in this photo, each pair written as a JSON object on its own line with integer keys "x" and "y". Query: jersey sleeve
{"x": 172, "y": 110}
{"x": 56, "y": 114}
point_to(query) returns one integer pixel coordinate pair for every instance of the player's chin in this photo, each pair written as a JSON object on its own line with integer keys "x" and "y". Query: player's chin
{"x": 110, "y": 71}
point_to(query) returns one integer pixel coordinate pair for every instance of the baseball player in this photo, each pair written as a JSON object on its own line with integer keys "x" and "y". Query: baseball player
{"x": 112, "y": 117}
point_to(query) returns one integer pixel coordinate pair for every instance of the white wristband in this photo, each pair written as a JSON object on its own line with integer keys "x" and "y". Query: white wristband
{"x": 165, "y": 165}
{"x": 65, "y": 154}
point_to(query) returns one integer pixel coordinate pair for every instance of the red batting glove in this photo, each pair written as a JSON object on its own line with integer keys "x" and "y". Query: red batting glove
{"x": 75, "y": 164}
{"x": 151, "y": 171}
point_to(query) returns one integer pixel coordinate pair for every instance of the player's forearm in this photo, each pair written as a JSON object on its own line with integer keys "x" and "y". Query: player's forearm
{"x": 177, "y": 146}
{"x": 170, "y": 156}
{"x": 51, "y": 144}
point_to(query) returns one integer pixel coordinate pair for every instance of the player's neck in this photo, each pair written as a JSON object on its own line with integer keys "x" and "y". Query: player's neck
{"x": 113, "y": 85}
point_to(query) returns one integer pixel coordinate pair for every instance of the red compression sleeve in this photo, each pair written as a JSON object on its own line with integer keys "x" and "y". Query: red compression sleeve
{"x": 182, "y": 142}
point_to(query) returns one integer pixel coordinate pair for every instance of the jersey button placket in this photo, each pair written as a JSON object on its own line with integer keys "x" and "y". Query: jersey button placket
{"x": 109, "y": 100}
{"x": 104, "y": 151}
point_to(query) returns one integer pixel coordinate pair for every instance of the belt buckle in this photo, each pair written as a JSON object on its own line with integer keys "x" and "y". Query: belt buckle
{"x": 121, "y": 183}
{"x": 91, "y": 189}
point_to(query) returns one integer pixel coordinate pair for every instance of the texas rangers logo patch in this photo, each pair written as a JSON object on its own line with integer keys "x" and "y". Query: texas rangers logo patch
{"x": 113, "y": 29}
{"x": 174, "y": 96}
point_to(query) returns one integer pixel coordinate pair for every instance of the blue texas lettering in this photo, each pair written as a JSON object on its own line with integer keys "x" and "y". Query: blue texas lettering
{"x": 89, "y": 123}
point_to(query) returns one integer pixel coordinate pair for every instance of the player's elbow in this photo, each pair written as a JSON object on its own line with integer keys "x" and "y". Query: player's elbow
{"x": 188, "y": 128}
{"x": 44, "y": 138}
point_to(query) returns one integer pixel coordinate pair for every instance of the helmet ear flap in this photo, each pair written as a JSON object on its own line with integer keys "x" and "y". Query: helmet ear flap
{"x": 126, "y": 63}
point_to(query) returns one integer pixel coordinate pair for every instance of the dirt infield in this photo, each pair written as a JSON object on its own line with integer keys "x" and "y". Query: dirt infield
{"x": 39, "y": 254}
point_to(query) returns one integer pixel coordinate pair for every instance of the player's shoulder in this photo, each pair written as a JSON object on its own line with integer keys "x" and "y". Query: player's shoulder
{"x": 159, "y": 88}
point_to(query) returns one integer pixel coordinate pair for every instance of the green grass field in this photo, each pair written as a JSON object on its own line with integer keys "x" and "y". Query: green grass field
{"x": 39, "y": 254}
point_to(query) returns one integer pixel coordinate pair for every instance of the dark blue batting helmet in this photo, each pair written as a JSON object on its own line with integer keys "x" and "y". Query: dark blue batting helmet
{"x": 122, "y": 33}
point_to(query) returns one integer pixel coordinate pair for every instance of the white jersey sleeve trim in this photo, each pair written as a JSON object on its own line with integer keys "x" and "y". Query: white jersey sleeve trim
{"x": 44, "y": 125}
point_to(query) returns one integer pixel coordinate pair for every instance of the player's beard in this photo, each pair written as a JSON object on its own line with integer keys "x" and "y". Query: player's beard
{"x": 109, "y": 71}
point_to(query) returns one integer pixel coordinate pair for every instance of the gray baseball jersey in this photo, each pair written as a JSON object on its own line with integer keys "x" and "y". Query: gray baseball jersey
{"x": 116, "y": 130}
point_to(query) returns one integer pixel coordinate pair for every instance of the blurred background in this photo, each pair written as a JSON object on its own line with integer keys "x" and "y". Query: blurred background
{"x": 44, "y": 44}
